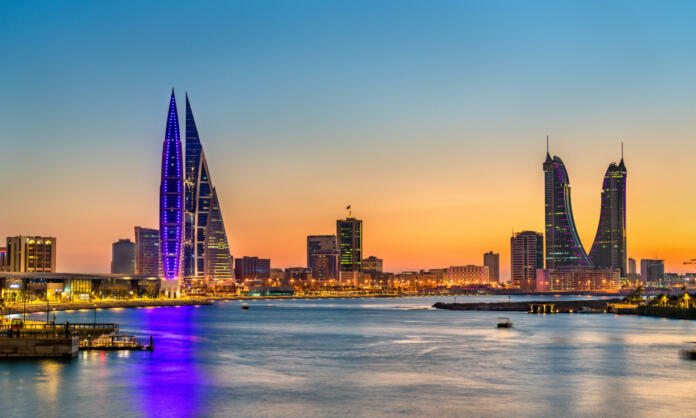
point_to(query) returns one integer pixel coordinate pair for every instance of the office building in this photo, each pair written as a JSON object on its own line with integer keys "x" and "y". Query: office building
{"x": 372, "y": 264}
{"x": 3, "y": 256}
{"x": 171, "y": 197}
{"x": 217, "y": 258}
{"x": 563, "y": 246}
{"x": 252, "y": 268}
{"x": 468, "y": 275}
{"x": 349, "y": 237}
{"x": 609, "y": 247}
{"x": 631, "y": 266}
{"x": 147, "y": 261}
{"x": 324, "y": 265}
{"x": 526, "y": 256}
{"x": 492, "y": 261}
{"x": 201, "y": 207}
{"x": 322, "y": 256}
{"x": 652, "y": 271}
{"x": 30, "y": 254}
{"x": 123, "y": 257}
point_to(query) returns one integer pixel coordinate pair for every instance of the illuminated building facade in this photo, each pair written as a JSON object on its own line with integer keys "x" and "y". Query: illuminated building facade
{"x": 492, "y": 261}
{"x": 201, "y": 207}
{"x": 3, "y": 256}
{"x": 372, "y": 264}
{"x": 171, "y": 197}
{"x": 583, "y": 279}
{"x": 470, "y": 274}
{"x": 563, "y": 246}
{"x": 252, "y": 268}
{"x": 609, "y": 247}
{"x": 349, "y": 237}
{"x": 526, "y": 257}
{"x": 322, "y": 256}
{"x": 147, "y": 260}
{"x": 123, "y": 257}
{"x": 217, "y": 259}
{"x": 30, "y": 254}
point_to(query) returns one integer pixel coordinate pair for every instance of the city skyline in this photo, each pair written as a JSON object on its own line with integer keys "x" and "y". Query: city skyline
{"x": 441, "y": 162}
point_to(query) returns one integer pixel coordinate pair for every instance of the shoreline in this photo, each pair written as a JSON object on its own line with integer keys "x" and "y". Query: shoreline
{"x": 75, "y": 306}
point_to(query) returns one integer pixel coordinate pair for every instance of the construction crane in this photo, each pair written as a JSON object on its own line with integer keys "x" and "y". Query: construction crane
{"x": 692, "y": 261}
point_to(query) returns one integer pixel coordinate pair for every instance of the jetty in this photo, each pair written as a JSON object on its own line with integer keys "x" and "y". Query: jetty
{"x": 560, "y": 306}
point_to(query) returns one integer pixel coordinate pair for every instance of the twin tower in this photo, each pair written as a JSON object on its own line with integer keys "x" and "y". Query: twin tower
{"x": 193, "y": 242}
{"x": 563, "y": 246}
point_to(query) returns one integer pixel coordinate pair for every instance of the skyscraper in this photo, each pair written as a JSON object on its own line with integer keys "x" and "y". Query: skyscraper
{"x": 217, "y": 259}
{"x": 492, "y": 261}
{"x": 526, "y": 256}
{"x": 148, "y": 262}
{"x": 171, "y": 197}
{"x": 349, "y": 236}
{"x": 609, "y": 247}
{"x": 199, "y": 210}
{"x": 252, "y": 268}
{"x": 123, "y": 257}
{"x": 563, "y": 246}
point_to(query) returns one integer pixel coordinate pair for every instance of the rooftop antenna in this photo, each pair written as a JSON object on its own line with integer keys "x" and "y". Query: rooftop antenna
{"x": 547, "y": 144}
{"x": 350, "y": 212}
{"x": 622, "y": 150}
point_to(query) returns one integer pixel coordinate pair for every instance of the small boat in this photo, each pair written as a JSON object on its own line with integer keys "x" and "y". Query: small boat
{"x": 504, "y": 323}
{"x": 245, "y": 307}
{"x": 690, "y": 352}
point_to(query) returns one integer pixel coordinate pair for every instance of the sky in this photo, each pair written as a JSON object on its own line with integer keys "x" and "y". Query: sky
{"x": 428, "y": 117}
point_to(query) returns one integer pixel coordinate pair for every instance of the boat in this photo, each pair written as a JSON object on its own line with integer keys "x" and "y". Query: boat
{"x": 504, "y": 323}
{"x": 114, "y": 342}
{"x": 245, "y": 307}
{"x": 689, "y": 353}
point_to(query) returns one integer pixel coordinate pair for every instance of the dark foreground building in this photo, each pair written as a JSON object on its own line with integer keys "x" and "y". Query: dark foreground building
{"x": 609, "y": 247}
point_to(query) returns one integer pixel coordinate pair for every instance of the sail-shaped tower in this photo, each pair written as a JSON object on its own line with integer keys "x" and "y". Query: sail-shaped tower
{"x": 171, "y": 197}
{"x": 609, "y": 247}
{"x": 199, "y": 205}
{"x": 216, "y": 257}
{"x": 563, "y": 246}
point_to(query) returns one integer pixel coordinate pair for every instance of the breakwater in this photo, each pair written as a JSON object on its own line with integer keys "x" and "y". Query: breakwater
{"x": 561, "y": 306}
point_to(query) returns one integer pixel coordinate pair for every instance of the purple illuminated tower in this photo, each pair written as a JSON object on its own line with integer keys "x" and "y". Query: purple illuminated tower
{"x": 171, "y": 197}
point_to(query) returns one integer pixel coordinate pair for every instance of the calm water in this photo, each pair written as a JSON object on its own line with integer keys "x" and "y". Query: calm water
{"x": 364, "y": 357}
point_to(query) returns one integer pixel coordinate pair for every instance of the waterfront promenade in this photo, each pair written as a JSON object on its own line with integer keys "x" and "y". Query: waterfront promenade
{"x": 19, "y": 308}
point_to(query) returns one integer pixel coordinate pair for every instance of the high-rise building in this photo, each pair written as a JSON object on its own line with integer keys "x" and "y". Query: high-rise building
{"x": 609, "y": 247}
{"x": 563, "y": 246}
{"x": 652, "y": 270}
{"x": 372, "y": 264}
{"x": 492, "y": 261}
{"x": 199, "y": 211}
{"x": 252, "y": 268}
{"x": 3, "y": 256}
{"x": 526, "y": 256}
{"x": 171, "y": 197}
{"x": 148, "y": 261}
{"x": 123, "y": 257}
{"x": 349, "y": 237}
{"x": 322, "y": 256}
{"x": 631, "y": 266}
{"x": 31, "y": 254}
{"x": 218, "y": 261}
{"x": 469, "y": 274}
